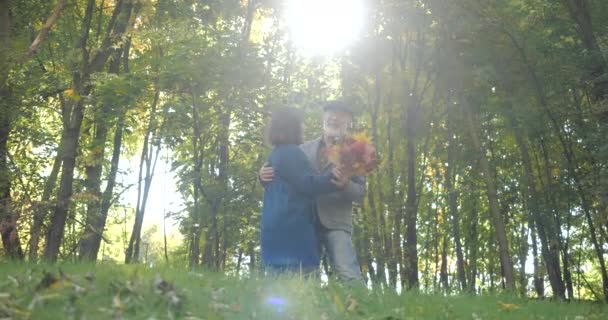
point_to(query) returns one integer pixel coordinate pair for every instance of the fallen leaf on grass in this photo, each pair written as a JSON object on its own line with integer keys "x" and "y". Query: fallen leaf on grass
{"x": 117, "y": 307}
{"x": 161, "y": 285}
{"x": 351, "y": 304}
{"x": 167, "y": 290}
{"x": 507, "y": 306}
{"x": 216, "y": 306}
{"x": 13, "y": 280}
{"x": 338, "y": 303}
{"x": 49, "y": 281}
{"x": 89, "y": 277}
{"x": 217, "y": 294}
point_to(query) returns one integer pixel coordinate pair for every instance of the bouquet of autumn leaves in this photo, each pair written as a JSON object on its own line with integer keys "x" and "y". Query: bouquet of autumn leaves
{"x": 355, "y": 154}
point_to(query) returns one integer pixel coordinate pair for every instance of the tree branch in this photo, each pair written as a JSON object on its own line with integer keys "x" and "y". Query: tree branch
{"x": 45, "y": 29}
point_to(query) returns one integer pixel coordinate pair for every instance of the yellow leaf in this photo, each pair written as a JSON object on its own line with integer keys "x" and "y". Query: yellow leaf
{"x": 59, "y": 284}
{"x": 71, "y": 94}
{"x": 361, "y": 136}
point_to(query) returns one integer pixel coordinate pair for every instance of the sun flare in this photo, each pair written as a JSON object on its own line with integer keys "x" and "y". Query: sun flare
{"x": 324, "y": 26}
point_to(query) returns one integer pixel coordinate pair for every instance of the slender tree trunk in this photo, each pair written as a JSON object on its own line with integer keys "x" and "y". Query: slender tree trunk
{"x": 436, "y": 243}
{"x": 223, "y": 176}
{"x": 366, "y": 249}
{"x": 70, "y": 151}
{"x": 443, "y": 275}
{"x": 43, "y": 209}
{"x": 473, "y": 238}
{"x": 377, "y": 239}
{"x": 252, "y": 259}
{"x": 452, "y": 204}
{"x": 197, "y": 151}
{"x": 383, "y": 249}
{"x": 497, "y": 219}
{"x": 539, "y": 283}
{"x": 147, "y": 162}
{"x": 411, "y": 236}
{"x": 523, "y": 253}
{"x": 397, "y": 198}
{"x": 239, "y": 260}
{"x": 165, "y": 251}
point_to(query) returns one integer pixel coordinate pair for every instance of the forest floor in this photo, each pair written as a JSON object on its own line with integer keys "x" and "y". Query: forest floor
{"x": 73, "y": 291}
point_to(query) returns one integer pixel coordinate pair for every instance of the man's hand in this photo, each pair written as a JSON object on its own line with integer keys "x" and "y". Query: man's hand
{"x": 341, "y": 177}
{"x": 266, "y": 173}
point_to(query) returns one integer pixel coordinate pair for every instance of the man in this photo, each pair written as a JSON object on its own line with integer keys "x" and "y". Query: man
{"x": 334, "y": 210}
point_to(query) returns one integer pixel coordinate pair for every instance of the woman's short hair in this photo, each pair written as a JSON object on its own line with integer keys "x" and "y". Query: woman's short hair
{"x": 285, "y": 127}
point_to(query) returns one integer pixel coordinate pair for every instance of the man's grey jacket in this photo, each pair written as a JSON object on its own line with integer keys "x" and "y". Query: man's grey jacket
{"x": 335, "y": 209}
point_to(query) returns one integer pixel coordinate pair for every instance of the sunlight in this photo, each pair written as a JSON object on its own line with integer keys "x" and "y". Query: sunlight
{"x": 324, "y": 26}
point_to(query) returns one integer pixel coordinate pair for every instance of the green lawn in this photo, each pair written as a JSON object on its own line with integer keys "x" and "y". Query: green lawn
{"x": 136, "y": 292}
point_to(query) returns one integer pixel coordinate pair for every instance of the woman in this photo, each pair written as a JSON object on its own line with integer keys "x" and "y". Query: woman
{"x": 289, "y": 241}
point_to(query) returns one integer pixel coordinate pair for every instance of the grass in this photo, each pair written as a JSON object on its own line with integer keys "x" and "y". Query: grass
{"x": 77, "y": 291}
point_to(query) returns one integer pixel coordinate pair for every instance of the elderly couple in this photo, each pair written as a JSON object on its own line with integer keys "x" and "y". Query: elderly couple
{"x": 307, "y": 206}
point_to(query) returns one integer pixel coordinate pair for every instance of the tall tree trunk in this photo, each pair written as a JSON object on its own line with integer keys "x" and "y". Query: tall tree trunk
{"x": 547, "y": 233}
{"x": 452, "y": 204}
{"x": 74, "y": 112}
{"x": 94, "y": 171}
{"x": 8, "y": 219}
{"x": 91, "y": 243}
{"x": 8, "y": 224}
{"x": 571, "y": 163}
{"x": 69, "y": 153}
{"x": 497, "y": 219}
